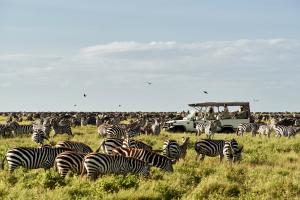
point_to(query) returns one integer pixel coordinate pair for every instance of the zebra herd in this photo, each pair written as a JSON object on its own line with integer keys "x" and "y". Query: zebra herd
{"x": 118, "y": 151}
{"x": 264, "y": 129}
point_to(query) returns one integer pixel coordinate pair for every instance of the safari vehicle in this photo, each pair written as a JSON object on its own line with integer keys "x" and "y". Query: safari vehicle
{"x": 200, "y": 113}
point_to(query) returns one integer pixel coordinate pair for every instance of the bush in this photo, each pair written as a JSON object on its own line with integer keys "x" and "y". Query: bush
{"x": 167, "y": 192}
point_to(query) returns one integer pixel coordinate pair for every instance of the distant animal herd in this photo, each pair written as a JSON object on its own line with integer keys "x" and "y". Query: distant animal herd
{"x": 119, "y": 152}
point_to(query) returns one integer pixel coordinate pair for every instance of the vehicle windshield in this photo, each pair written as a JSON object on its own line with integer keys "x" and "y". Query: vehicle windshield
{"x": 191, "y": 115}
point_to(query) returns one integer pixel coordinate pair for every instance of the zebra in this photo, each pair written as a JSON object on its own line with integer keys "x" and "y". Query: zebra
{"x": 61, "y": 128}
{"x": 97, "y": 163}
{"x": 149, "y": 157}
{"x": 173, "y": 150}
{"x": 5, "y": 130}
{"x": 209, "y": 147}
{"x": 286, "y": 131}
{"x": 69, "y": 160}
{"x": 212, "y": 127}
{"x": 115, "y": 131}
{"x": 264, "y": 130}
{"x": 32, "y": 158}
{"x": 232, "y": 151}
{"x": 136, "y": 144}
{"x": 83, "y": 121}
{"x": 155, "y": 128}
{"x": 108, "y": 144}
{"x": 200, "y": 128}
{"x": 20, "y": 129}
{"x": 247, "y": 127}
{"x": 75, "y": 146}
{"x": 46, "y": 127}
{"x": 38, "y": 137}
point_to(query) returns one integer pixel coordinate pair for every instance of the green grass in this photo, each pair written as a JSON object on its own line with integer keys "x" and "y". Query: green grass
{"x": 270, "y": 170}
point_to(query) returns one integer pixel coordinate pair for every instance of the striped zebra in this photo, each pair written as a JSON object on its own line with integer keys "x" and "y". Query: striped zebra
{"x": 75, "y": 146}
{"x": 286, "y": 131}
{"x": 131, "y": 143}
{"x": 69, "y": 161}
{"x": 155, "y": 128}
{"x": 97, "y": 163}
{"x": 209, "y": 147}
{"x": 149, "y": 157}
{"x": 116, "y": 131}
{"x": 32, "y": 158}
{"x": 247, "y": 127}
{"x": 5, "y": 130}
{"x": 61, "y": 128}
{"x": 212, "y": 127}
{"x": 232, "y": 151}
{"x": 38, "y": 137}
{"x": 83, "y": 121}
{"x": 200, "y": 128}
{"x": 173, "y": 150}
{"x": 20, "y": 129}
{"x": 264, "y": 130}
{"x": 46, "y": 127}
{"x": 108, "y": 144}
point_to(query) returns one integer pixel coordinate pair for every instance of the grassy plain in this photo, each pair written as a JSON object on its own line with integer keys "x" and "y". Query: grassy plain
{"x": 270, "y": 170}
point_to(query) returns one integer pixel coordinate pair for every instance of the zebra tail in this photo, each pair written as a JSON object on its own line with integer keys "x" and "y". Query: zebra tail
{"x": 2, "y": 163}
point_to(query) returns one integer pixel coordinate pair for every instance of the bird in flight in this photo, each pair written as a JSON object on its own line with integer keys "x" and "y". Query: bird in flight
{"x": 84, "y": 95}
{"x": 120, "y": 105}
{"x": 205, "y": 92}
{"x": 75, "y": 105}
{"x": 149, "y": 83}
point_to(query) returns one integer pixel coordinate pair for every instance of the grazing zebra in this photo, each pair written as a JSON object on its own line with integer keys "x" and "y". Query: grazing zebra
{"x": 173, "y": 150}
{"x": 75, "y": 146}
{"x": 131, "y": 143}
{"x": 286, "y": 131}
{"x": 97, "y": 163}
{"x": 208, "y": 147}
{"x": 247, "y": 127}
{"x": 264, "y": 130}
{"x": 232, "y": 151}
{"x": 149, "y": 157}
{"x": 32, "y": 158}
{"x": 39, "y": 137}
{"x": 108, "y": 144}
{"x": 20, "y": 129}
{"x": 61, "y": 128}
{"x": 212, "y": 127}
{"x": 69, "y": 160}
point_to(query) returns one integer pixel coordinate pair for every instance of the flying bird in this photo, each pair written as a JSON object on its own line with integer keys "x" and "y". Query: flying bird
{"x": 75, "y": 105}
{"x": 84, "y": 95}
{"x": 120, "y": 105}
{"x": 205, "y": 92}
{"x": 149, "y": 83}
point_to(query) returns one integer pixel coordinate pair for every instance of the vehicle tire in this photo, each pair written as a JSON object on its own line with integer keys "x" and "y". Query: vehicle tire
{"x": 179, "y": 129}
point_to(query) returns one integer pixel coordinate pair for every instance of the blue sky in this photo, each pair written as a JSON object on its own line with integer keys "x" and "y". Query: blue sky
{"x": 51, "y": 52}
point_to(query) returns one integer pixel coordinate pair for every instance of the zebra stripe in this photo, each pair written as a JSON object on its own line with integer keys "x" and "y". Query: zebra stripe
{"x": 97, "y": 163}
{"x": 173, "y": 150}
{"x": 61, "y": 128}
{"x": 108, "y": 144}
{"x": 39, "y": 137}
{"x": 286, "y": 131}
{"x": 116, "y": 132}
{"x": 264, "y": 130}
{"x": 69, "y": 161}
{"x": 131, "y": 143}
{"x": 20, "y": 129}
{"x": 200, "y": 128}
{"x": 208, "y": 147}
{"x": 247, "y": 127}
{"x": 232, "y": 151}
{"x": 149, "y": 157}
{"x": 75, "y": 146}
{"x": 32, "y": 158}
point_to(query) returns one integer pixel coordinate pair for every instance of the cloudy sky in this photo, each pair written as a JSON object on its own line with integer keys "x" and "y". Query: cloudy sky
{"x": 52, "y": 52}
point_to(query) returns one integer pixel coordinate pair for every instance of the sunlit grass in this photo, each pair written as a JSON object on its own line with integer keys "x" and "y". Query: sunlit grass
{"x": 270, "y": 170}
